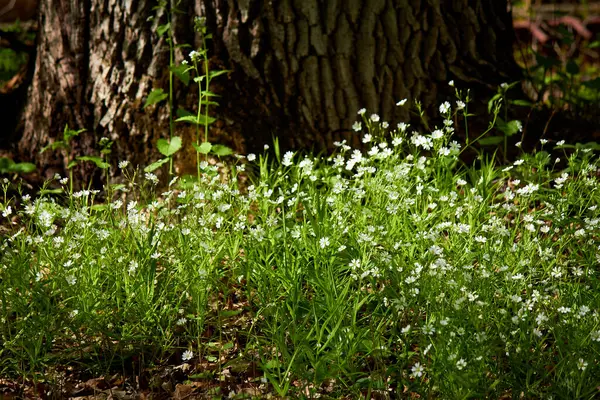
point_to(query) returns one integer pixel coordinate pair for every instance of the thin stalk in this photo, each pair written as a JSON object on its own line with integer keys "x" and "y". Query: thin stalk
{"x": 207, "y": 87}
{"x": 171, "y": 64}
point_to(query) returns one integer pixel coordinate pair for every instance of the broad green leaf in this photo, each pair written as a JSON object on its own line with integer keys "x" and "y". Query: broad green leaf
{"x": 196, "y": 120}
{"x": 167, "y": 148}
{"x": 220, "y": 150}
{"x": 491, "y": 141}
{"x": 204, "y": 120}
{"x": 22, "y": 168}
{"x": 155, "y": 96}
{"x": 118, "y": 186}
{"x": 181, "y": 72}
{"x": 182, "y": 112}
{"x": 71, "y": 164}
{"x": 162, "y": 29}
{"x": 96, "y": 160}
{"x": 6, "y": 164}
{"x": 272, "y": 364}
{"x": 209, "y": 103}
{"x": 509, "y": 128}
{"x": 188, "y": 118}
{"x": 68, "y": 134}
{"x": 59, "y": 144}
{"x": 156, "y": 165}
{"x": 588, "y": 145}
{"x": 204, "y": 148}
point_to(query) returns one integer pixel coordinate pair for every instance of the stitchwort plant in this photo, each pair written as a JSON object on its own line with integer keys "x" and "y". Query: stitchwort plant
{"x": 393, "y": 271}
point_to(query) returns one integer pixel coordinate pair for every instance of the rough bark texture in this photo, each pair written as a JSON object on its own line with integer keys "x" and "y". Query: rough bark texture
{"x": 95, "y": 64}
{"x": 301, "y": 68}
{"x": 319, "y": 61}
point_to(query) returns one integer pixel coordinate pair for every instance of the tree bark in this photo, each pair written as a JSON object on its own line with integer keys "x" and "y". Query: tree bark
{"x": 319, "y": 61}
{"x": 301, "y": 69}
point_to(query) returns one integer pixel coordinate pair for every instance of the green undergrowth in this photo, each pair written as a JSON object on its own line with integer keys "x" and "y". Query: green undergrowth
{"x": 395, "y": 271}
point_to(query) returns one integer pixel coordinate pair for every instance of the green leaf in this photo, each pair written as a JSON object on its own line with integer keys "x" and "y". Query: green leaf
{"x": 155, "y": 96}
{"x": 43, "y": 192}
{"x": 204, "y": 120}
{"x": 181, "y": 72}
{"x": 156, "y": 165}
{"x": 522, "y": 103}
{"x": 182, "y": 112}
{"x": 220, "y": 150}
{"x": 22, "y": 168}
{"x": 96, "y": 160}
{"x": 588, "y": 145}
{"x": 565, "y": 146}
{"x": 204, "y": 148}
{"x": 59, "y": 144}
{"x": 68, "y": 134}
{"x": 100, "y": 207}
{"x": 491, "y": 141}
{"x": 6, "y": 164}
{"x": 71, "y": 164}
{"x": 272, "y": 364}
{"x": 492, "y": 101}
{"x": 162, "y": 29}
{"x": 167, "y": 148}
{"x": 205, "y": 102}
{"x": 196, "y": 120}
{"x": 118, "y": 186}
{"x": 208, "y": 93}
{"x": 509, "y": 128}
{"x": 214, "y": 74}
{"x": 227, "y": 346}
{"x": 188, "y": 118}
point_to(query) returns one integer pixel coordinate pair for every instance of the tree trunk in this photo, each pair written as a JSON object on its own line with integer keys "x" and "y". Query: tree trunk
{"x": 319, "y": 61}
{"x": 301, "y": 68}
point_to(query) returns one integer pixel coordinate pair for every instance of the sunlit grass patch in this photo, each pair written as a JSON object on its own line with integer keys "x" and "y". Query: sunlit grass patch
{"x": 392, "y": 270}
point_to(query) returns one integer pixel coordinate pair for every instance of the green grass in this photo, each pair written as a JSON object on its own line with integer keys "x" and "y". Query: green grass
{"x": 397, "y": 270}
